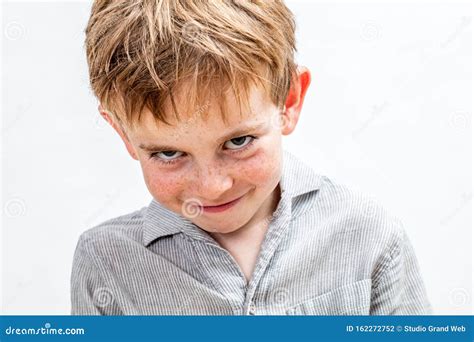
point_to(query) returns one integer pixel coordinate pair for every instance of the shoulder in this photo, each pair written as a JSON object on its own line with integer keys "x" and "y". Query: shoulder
{"x": 112, "y": 233}
{"x": 345, "y": 213}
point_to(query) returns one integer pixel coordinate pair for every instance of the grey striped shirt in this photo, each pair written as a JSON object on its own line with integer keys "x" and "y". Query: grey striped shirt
{"x": 327, "y": 251}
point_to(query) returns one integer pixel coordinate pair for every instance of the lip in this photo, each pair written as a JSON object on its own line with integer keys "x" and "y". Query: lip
{"x": 223, "y": 207}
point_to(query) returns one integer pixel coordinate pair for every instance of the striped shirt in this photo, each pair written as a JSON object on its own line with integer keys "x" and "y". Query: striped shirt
{"x": 327, "y": 251}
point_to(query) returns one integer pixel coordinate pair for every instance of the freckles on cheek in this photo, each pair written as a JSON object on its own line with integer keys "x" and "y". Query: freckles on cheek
{"x": 260, "y": 169}
{"x": 162, "y": 185}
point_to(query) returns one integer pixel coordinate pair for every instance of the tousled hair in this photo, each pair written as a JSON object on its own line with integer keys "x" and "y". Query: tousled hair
{"x": 142, "y": 53}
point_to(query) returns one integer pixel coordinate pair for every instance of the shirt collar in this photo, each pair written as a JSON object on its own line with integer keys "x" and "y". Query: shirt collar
{"x": 297, "y": 179}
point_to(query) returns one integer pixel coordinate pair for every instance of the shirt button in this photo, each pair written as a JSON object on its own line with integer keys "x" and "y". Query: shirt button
{"x": 252, "y": 308}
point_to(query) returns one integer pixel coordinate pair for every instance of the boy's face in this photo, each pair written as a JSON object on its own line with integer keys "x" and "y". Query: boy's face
{"x": 196, "y": 165}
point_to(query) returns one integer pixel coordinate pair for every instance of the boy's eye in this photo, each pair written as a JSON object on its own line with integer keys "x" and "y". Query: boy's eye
{"x": 236, "y": 145}
{"x": 239, "y": 142}
{"x": 167, "y": 155}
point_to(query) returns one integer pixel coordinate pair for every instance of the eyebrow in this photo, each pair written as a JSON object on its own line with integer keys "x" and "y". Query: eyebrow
{"x": 235, "y": 133}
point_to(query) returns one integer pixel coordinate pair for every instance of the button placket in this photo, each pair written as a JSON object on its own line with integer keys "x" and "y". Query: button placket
{"x": 252, "y": 309}
{"x": 269, "y": 246}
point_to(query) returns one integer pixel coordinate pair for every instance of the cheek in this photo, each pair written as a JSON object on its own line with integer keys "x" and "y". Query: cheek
{"x": 262, "y": 169}
{"x": 164, "y": 186}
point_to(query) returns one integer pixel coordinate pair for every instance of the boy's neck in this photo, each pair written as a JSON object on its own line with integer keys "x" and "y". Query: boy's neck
{"x": 244, "y": 244}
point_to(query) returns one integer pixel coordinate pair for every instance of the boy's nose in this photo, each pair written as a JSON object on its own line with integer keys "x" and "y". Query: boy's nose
{"x": 213, "y": 185}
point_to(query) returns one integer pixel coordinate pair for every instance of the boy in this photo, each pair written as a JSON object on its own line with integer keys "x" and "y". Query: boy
{"x": 201, "y": 94}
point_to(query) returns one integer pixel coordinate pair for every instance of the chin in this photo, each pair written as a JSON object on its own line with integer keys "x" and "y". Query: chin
{"x": 220, "y": 230}
{"x": 226, "y": 231}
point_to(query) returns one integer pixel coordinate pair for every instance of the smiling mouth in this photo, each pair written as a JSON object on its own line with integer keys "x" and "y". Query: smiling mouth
{"x": 223, "y": 204}
{"x": 222, "y": 207}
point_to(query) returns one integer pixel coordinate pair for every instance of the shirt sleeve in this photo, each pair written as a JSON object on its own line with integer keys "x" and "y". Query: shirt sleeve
{"x": 89, "y": 293}
{"x": 399, "y": 289}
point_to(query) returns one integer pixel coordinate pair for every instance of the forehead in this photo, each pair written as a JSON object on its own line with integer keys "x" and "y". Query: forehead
{"x": 207, "y": 116}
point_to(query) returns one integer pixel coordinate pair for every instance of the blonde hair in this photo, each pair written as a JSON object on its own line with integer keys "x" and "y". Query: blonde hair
{"x": 140, "y": 53}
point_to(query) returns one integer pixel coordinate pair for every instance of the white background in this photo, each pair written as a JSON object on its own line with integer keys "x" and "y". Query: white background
{"x": 388, "y": 112}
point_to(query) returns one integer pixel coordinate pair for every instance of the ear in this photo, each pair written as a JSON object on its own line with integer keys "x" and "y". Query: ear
{"x": 294, "y": 100}
{"x": 119, "y": 129}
